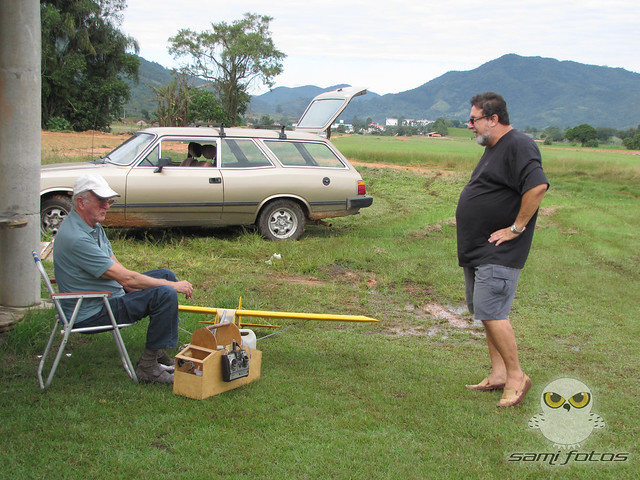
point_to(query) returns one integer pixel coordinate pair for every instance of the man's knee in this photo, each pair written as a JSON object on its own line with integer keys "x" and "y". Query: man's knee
{"x": 166, "y": 293}
{"x": 163, "y": 273}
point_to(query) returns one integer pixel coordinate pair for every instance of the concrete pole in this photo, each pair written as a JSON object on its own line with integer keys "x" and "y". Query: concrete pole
{"x": 20, "y": 144}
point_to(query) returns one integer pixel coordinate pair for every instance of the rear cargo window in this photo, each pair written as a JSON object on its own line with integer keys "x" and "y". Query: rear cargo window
{"x": 304, "y": 154}
{"x": 239, "y": 153}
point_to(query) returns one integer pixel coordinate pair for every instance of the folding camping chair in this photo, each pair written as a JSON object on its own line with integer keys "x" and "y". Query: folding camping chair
{"x": 68, "y": 326}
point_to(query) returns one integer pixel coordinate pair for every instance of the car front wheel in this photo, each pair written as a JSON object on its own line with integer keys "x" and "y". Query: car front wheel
{"x": 281, "y": 220}
{"x": 52, "y": 212}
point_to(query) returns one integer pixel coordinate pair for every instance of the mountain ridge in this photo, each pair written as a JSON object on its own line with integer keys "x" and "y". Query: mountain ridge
{"x": 539, "y": 91}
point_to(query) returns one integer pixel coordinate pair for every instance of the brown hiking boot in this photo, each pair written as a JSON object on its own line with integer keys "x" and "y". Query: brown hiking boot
{"x": 148, "y": 370}
{"x": 166, "y": 361}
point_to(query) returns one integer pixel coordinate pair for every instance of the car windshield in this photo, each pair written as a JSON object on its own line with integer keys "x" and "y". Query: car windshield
{"x": 126, "y": 153}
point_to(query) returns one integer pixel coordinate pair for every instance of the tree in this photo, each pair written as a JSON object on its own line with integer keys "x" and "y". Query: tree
{"x": 605, "y": 133}
{"x": 553, "y": 134}
{"x": 205, "y": 107}
{"x": 233, "y": 57}
{"x": 584, "y": 134}
{"x": 173, "y": 102}
{"x": 440, "y": 127}
{"x": 266, "y": 120}
{"x": 85, "y": 61}
{"x": 359, "y": 126}
{"x": 633, "y": 142}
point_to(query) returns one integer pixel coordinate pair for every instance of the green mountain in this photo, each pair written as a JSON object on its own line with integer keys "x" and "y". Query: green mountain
{"x": 539, "y": 92}
{"x": 150, "y": 75}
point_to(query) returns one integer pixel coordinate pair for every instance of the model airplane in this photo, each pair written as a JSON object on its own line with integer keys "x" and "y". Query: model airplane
{"x": 225, "y": 315}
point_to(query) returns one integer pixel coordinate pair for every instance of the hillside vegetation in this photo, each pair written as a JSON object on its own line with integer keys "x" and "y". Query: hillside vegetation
{"x": 540, "y": 92}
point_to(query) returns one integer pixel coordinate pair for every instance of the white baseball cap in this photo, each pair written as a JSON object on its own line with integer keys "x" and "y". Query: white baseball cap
{"x": 96, "y": 184}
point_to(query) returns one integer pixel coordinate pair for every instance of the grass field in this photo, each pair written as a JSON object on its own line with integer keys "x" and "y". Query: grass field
{"x": 381, "y": 401}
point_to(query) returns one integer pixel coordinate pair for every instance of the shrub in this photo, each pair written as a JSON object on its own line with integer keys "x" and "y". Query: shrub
{"x": 58, "y": 124}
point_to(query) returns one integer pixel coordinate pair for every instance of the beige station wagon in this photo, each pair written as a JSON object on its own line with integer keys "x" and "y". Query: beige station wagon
{"x": 272, "y": 178}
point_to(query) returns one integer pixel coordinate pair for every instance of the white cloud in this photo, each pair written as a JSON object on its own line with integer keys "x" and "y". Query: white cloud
{"x": 394, "y": 46}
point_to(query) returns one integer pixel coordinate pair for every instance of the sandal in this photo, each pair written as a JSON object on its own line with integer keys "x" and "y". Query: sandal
{"x": 485, "y": 386}
{"x": 512, "y": 397}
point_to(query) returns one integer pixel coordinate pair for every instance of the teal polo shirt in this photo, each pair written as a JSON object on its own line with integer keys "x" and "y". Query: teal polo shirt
{"x": 81, "y": 255}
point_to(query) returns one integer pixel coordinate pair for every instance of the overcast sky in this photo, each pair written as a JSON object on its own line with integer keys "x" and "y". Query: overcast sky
{"x": 390, "y": 46}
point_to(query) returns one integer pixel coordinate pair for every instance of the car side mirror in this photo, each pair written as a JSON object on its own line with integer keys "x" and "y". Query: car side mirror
{"x": 162, "y": 162}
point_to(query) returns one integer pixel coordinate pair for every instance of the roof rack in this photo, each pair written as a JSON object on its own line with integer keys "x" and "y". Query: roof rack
{"x": 220, "y": 126}
{"x": 281, "y": 128}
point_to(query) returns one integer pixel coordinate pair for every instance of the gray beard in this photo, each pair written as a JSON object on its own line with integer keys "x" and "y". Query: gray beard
{"x": 483, "y": 139}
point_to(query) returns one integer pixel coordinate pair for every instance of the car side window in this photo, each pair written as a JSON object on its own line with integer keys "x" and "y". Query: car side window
{"x": 242, "y": 153}
{"x": 304, "y": 154}
{"x": 175, "y": 150}
{"x": 178, "y": 153}
{"x": 151, "y": 160}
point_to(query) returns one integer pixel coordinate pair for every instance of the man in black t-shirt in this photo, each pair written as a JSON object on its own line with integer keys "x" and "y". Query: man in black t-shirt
{"x": 495, "y": 220}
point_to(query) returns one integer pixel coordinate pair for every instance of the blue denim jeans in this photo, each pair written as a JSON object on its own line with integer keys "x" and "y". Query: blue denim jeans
{"x": 160, "y": 304}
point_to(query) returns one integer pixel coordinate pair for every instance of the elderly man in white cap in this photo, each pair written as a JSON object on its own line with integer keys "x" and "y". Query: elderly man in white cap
{"x": 84, "y": 261}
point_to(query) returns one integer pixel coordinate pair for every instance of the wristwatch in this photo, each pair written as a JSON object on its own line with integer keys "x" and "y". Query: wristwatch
{"x": 515, "y": 230}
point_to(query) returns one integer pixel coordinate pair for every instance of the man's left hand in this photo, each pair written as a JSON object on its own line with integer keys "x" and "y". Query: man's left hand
{"x": 501, "y": 236}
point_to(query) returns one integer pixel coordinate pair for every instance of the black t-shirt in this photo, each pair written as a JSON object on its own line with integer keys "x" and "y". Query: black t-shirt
{"x": 491, "y": 201}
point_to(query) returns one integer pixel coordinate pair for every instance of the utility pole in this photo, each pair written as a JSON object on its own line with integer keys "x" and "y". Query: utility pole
{"x": 20, "y": 145}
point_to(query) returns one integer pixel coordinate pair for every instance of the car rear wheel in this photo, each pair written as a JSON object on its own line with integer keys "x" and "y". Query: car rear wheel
{"x": 52, "y": 212}
{"x": 281, "y": 220}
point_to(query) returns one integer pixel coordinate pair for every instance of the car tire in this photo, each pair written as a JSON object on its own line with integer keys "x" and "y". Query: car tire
{"x": 52, "y": 212}
{"x": 281, "y": 220}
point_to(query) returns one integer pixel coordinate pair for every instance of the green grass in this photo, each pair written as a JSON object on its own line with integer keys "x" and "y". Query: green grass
{"x": 359, "y": 401}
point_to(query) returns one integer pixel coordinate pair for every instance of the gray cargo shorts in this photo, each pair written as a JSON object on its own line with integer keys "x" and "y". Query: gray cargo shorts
{"x": 489, "y": 291}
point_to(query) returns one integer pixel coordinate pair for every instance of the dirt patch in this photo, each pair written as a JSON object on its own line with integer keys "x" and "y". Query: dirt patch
{"x": 428, "y": 319}
{"x": 335, "y": 272}
{"x": 549, "y": 211}
{"x": 308, "y": 281}
{"x": 77, "y": 144}
{"x": 441, "y": 312}
{"x": 405, "y": 168}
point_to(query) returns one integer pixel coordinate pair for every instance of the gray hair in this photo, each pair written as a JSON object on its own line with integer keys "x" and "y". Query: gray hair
{"x": 85, "y": 195}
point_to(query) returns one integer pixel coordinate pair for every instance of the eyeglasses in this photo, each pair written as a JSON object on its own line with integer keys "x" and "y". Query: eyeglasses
{"x": 100, "y": 200}
{"x": 472, "y": 121}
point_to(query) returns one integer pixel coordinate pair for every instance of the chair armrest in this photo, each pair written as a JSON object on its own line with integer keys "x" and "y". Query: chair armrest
{"x": 81, "y": 295}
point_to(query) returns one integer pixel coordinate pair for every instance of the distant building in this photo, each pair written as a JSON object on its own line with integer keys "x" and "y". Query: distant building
{"x": 346, "y": 127}
{"x": 407, "y": 122}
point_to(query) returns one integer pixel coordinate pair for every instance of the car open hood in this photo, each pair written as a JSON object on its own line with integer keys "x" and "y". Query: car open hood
{"x": 325, "y": 108}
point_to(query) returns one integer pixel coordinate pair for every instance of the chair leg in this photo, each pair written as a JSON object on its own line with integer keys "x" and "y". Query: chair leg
{"x": 54, "y": 366}
{"x": 124, "y": 355}
{"x": 44, "y": 357}
{"x": 122, "y": 349}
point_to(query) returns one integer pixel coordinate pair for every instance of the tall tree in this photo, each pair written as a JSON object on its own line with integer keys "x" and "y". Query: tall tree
{"x": 632, "y": 142}
{"x": 584, "y": 134}
{"x": 84, "y": 60}
{"x": 205, "y": 107}
{"x": 181, "y": 104}
{"x": 233, "y": 57}
{"x": 173, "y": 102}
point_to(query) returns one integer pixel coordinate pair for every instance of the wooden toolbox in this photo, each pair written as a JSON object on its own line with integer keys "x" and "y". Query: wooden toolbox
{"x": 198, "y": 366}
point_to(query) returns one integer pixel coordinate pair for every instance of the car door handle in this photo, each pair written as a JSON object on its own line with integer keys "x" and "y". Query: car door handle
{"x": 215, "y": 180}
